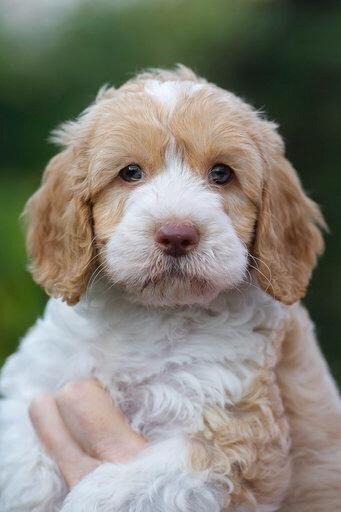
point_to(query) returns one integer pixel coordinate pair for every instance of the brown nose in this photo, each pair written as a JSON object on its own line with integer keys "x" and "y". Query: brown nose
{"x": 177, "y": 239}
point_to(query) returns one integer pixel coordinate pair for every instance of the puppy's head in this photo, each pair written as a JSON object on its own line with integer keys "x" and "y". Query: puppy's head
{"x": 173, "y": 189}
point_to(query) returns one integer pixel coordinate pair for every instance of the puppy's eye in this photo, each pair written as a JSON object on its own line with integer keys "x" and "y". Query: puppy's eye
{"x": 132, "y": 172}
{"x": 220, "y": 174}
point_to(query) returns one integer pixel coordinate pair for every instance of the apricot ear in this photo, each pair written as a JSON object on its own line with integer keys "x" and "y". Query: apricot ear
{"x": 288, "y": 239}
{"x": 59, "y": 233}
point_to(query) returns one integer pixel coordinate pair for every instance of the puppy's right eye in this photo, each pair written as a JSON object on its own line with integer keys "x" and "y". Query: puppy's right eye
{"x": 132, "y": 172}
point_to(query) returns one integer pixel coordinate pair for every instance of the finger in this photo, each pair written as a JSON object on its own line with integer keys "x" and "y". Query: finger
{"x": 96, "y": 422}
{"x": 73, "y": 463}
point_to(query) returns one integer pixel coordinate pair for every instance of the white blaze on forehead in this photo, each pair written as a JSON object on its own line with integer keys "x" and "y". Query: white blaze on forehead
{"x": 172, "y": 155}
{"x": 168, "y": 93}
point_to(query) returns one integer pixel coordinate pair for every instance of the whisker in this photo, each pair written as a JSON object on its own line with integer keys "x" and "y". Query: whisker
{"x": 263, "y": 263}
{"x": 265, "y": 277}
{"x": 102, "y": 267}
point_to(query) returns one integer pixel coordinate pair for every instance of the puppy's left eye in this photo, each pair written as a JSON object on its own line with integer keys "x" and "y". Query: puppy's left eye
{"x": 220, "y": 174}
{"x": 132, "y": 172}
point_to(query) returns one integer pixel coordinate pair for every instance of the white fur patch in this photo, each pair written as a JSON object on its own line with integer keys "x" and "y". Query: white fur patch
{"x": 169, "y": 93}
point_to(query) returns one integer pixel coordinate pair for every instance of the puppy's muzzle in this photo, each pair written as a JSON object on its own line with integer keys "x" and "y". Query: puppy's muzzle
{"x": 177, "y": 239}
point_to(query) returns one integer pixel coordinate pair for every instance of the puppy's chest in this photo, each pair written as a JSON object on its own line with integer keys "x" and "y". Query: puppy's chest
{"x": 164, "y": 373}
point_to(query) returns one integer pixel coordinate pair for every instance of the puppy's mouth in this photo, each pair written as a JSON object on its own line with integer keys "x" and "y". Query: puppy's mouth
{"x": 174, "y": 274}
{"x": 169, "y": 268}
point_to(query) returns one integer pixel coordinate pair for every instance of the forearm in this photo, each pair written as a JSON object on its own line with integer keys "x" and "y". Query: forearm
{"x": 155, "y": 480}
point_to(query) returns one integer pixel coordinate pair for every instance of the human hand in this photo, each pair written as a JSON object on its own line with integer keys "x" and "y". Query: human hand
{"x": 81, "y": 427}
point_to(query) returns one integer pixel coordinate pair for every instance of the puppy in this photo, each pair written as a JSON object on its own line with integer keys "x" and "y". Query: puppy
{"x": 176, "y": 241}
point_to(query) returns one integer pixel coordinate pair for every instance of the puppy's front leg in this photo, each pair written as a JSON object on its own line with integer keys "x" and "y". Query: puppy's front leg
{"x": 158, "y": 480}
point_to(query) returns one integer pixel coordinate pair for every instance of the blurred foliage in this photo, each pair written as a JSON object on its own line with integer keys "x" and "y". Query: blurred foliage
{"x": 282, "y": 56}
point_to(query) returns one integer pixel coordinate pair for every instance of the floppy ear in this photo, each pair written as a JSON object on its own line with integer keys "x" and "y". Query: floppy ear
{"x": 59, "y": 232}
{"x": 288, "y": 238}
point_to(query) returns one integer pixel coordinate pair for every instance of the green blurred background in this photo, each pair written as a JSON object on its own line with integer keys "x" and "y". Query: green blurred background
{"x": 282, "y": 56}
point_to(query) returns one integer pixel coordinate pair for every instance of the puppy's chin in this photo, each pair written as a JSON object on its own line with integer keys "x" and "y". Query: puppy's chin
{"x": 172, "y": 290}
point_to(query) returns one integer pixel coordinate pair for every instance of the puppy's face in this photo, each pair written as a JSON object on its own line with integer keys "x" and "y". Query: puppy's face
{"x": 165, "y": 186}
